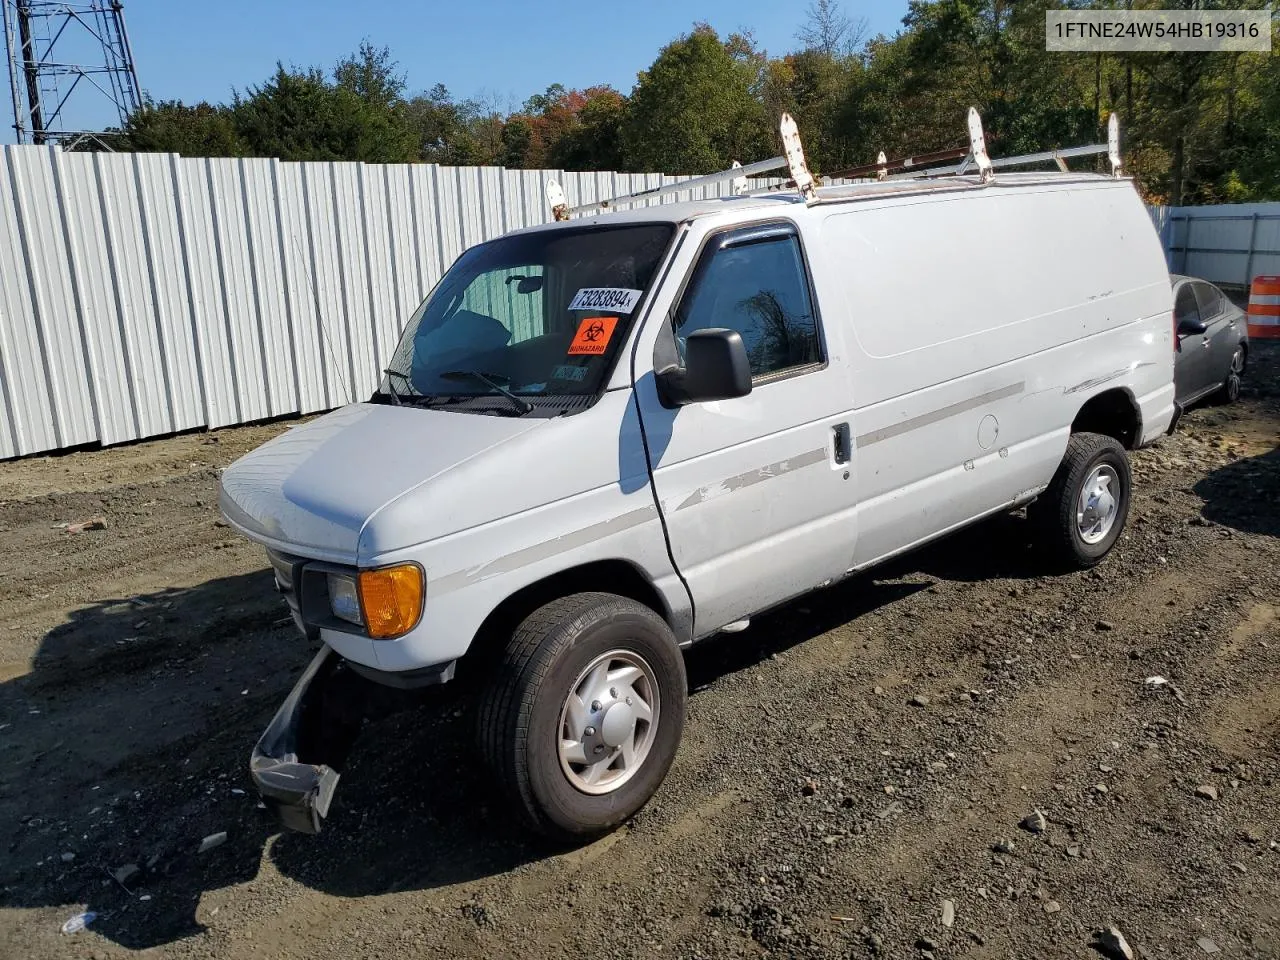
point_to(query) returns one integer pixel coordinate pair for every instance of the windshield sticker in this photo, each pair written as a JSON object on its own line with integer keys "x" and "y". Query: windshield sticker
{"x": 619, "y": 299}
{"x": 593, "y": 336}
{"x": 567, "y": 372}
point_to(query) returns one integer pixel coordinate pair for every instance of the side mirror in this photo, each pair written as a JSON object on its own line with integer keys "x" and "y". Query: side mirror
{"x": 715, "y": 368}
{"x": 1188, "y": 327}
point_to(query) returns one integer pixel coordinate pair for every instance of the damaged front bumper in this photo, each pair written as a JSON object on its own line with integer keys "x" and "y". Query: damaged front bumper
{"x": 297, "y": 761}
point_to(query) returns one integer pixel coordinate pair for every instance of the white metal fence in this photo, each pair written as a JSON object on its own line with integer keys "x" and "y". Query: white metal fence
{"x": 146, "y": 294}
{"x": 1227, "y": 244}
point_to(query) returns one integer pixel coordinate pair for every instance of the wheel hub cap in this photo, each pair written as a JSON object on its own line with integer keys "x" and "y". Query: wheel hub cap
{"x": 608, "y": 722}
{"x": 1098, "y": 504}
{"x": 618, "y": 725}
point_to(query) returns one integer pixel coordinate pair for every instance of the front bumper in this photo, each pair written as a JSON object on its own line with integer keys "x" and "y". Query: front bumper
{"x": 298, "y": 759}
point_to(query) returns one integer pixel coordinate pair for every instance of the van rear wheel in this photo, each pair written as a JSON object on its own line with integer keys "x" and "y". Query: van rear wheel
{"x": 584, "y": 714}
{"x": 1083, "y": 512}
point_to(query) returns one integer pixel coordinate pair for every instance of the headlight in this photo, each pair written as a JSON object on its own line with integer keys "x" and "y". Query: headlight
{"x": 391, "y": 599}
{"x": 344, "y": 600}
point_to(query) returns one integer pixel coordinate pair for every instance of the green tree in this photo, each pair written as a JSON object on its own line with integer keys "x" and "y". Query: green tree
{"x": 698, "y": 107}
{"x": 300, "y": 116}
{"x": 201, "y": 130}
{"x": 373, "y": 76}
{"x": 595, "y": 141}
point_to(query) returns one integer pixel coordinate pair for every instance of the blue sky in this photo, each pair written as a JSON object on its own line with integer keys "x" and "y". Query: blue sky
{"x": 506, "y": 49}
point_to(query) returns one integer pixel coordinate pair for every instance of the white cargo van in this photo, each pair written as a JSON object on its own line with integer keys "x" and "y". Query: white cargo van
{"x": 603, "y": 439}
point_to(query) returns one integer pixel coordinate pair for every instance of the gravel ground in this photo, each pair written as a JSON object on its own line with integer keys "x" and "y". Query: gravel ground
{"x": 852, "y": 781}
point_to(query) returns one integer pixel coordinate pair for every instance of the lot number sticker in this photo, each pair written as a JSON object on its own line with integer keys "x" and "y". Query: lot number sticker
{"x": 569, "y": 373}
{"x": 615, "y": 299}
{"x": 593, "y": 336}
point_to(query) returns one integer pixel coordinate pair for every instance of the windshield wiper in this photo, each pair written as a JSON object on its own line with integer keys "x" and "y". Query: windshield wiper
{"x": 489, "y": 380}
{"x": 395, "y": 397}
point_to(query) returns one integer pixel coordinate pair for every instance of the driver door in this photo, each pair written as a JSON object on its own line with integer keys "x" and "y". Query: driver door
{"x": 758, "y": 492}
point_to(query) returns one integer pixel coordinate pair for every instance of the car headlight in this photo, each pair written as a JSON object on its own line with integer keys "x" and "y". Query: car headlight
{"x": 387, "y": 602}
{"x": 344, "y": 600}
{"x": 391, "y": 599}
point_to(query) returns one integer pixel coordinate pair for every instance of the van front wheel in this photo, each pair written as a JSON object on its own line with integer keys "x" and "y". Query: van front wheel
{"x": 584, "y": 715}
{"x": 1083, "y": 512}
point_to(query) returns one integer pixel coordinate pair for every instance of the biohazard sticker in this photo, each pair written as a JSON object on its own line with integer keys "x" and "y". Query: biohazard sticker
{"x": 613, "y": 299}
{"x": 593, "y": 336}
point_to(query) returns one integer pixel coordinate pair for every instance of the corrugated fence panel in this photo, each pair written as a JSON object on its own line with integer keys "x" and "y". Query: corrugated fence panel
{"x": 1228, "y": 244}
{"x": 90, "y": 265}
{"x": 204, "y": 274}
{"x": 299, "y": 290}
{"x": 326, "y": 280}
{"x": 62, "y": 387}
{"x": 28, "y": 424}
{"x": 448, "y": 217}
{"x": 126, "y": 247}
{"x": 266, "y": 270}
{"x": 379, "y": 258}
{"x": 149, "y": 293}
{"x": 402, "y": 255}
{"x": 171, "y": 298}
{"x": 235, "y": 258}
{"x": 348, "y": 215}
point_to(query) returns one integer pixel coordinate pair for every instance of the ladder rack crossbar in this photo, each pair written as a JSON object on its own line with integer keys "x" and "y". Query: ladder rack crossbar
{"x": 735, "y": 173}
{"x": 1000, "y": 162}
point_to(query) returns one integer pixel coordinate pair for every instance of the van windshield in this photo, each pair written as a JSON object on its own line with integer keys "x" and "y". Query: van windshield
{"x": 536, "y": 315}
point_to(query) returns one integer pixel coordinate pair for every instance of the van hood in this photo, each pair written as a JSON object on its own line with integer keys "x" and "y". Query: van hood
{"x": 312, "y": 489}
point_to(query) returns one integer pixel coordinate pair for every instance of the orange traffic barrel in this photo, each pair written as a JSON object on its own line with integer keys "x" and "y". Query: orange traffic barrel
{"x": 1264, "y": 308}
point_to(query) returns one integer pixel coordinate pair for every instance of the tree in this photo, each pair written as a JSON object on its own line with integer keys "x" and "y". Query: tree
{"x": 1202, "y": 127}
{"x": 695, "y": 110}
{"x": 828, "y": 30}
{"x": 299, "y": 116}
{"x": 202, "y": 130}
{"x": 371, "y": 75}
{"x": 595, "y": 141}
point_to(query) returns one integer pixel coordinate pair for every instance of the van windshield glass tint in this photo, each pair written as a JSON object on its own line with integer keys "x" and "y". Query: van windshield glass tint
{"x": 537, "y": 314}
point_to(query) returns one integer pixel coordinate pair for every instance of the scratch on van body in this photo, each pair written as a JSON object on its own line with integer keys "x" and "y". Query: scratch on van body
{"x": 1107, "y": 378}
{"x": 540, "y": 551}
{"x": 752, "y": 477}
{"x": 942, "y": 413}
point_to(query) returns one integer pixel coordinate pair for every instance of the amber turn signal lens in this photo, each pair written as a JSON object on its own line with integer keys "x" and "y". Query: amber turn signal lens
{"x": 392, "y": 599}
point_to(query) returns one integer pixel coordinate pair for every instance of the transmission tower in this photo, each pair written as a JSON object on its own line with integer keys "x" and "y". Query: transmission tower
{"x": 70, "y": 67}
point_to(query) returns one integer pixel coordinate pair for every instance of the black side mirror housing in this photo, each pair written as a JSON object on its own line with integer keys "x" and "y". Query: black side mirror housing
{"x": 1187, "y": 327}
{"x": 716, "y": 367}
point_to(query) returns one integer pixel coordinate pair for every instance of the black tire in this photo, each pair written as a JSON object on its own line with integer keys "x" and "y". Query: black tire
{"x": 1229, "y": 392}
{"x": 1055, "y": 511}
{"x": 520, "y": 711}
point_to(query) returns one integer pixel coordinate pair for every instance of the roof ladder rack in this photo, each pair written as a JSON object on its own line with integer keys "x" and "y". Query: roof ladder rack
{"x": 977, "y": 155}
{"x": 792, "y": 159}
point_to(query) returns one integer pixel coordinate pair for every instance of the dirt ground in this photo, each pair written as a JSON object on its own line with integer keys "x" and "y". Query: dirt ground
{"x": 814, "y": 809}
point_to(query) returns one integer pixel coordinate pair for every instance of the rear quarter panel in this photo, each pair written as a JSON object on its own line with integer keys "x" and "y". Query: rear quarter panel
{"x": 1012, "y": 304}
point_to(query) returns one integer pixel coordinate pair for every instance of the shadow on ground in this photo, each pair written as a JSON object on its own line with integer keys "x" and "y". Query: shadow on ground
{"x": 128, "y": 743}
{"x": 1245, "y": 495}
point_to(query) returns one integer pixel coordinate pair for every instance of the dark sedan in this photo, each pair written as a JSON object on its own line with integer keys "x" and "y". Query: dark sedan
{"x": 1213, "y": 343}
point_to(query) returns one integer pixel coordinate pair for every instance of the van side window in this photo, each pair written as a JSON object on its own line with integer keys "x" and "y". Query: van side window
{"x": 1210, "y": 301}
{"x": 760, "y": 289}
{"x": 1184, "y": 308}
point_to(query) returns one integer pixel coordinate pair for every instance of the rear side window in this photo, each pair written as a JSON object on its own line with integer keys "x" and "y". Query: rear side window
{"x": 758, "y": 287}
{"x": 1210, "y": 299}
{"x": 1184, "y": 307}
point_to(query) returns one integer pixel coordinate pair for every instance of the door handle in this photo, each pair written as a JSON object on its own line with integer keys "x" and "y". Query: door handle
{"x": 843, "y": 437}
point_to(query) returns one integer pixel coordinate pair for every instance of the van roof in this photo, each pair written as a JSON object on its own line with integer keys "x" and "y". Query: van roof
{"x": 847, "y": 193}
